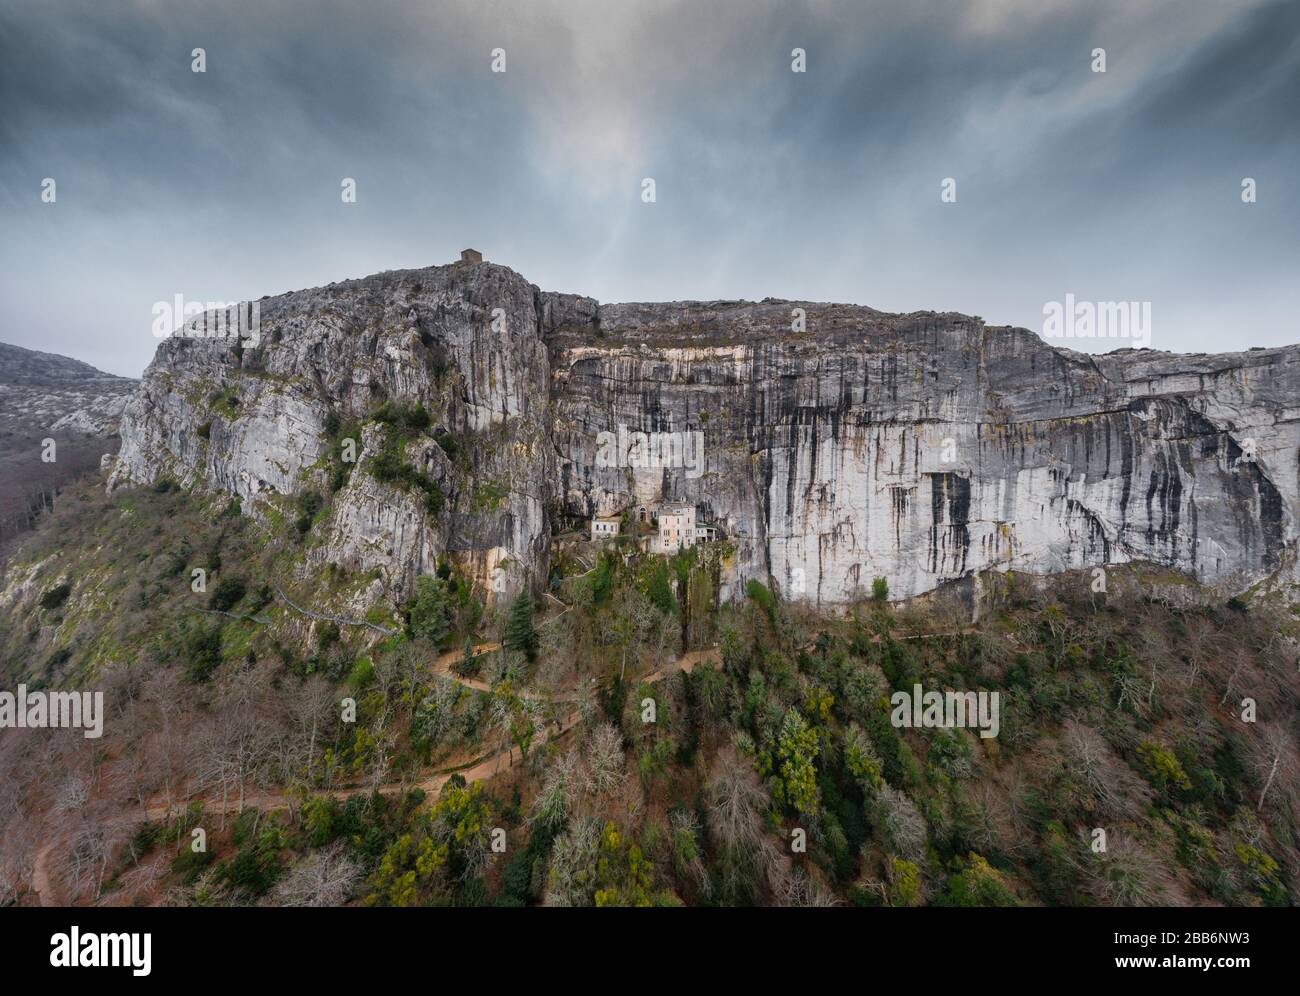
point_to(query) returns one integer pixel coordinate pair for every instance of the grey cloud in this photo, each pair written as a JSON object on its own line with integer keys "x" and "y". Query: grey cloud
{"x": 820, "y": 185}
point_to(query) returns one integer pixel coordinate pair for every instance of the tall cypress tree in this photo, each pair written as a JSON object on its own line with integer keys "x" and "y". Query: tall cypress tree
{"x": 428, "y": 610}
{"x": 468, "y": 664}
{"x": 520, "y": 634}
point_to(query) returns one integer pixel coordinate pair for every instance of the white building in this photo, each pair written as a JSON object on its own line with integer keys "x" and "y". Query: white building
{"x": 604, "y": 527}
{"x": 676, "y": 528}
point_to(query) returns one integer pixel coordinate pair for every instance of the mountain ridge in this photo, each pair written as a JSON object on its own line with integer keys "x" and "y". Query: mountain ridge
{"x": 867, "y": 444}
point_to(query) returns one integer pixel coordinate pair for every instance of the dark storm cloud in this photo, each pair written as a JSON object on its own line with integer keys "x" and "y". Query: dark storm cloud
{"x": 822, "y": 185}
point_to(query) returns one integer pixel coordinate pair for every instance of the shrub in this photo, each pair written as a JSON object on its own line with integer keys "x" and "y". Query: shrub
{"x": 56, "y": 596}
{"x": 413, "y": 416}
{"x": 189, "y": 864}
{"x": 227, "y": 594}
{"x": 1163, "y": 769}
{"x": 201, "y": 649}
{"x": 225, "y": 403}
{"x": 389, "y": 467}
{"x": 449, "y": 444}
{"x": 759, "y": 593}
{"x": 263, "y": 597}
{"x": 309, "y": 503}
{"x": 59, "y": 657}
{"x": 256, "y": 866}
{"x": 602, "y": 581}
{"x": 362, "y": 673}
{"x": 977, "y": 884}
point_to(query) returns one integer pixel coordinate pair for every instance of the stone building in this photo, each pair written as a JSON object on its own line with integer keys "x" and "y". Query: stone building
{"x": 604, "y": 527}
{"x": 676, "y": 528}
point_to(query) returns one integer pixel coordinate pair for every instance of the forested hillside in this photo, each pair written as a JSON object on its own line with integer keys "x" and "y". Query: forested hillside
{"x": 618, "y": 737}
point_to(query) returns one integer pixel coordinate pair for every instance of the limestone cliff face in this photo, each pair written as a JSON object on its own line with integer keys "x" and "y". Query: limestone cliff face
{"x": 461, "y": 342}
{"x": 848, "y": 445}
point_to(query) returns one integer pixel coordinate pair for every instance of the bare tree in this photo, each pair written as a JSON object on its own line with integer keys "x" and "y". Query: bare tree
{"x": 1109, "y": 787}
{"x": 325, "y": 878}
{"x": 1275, "y": 764}
{"x": 799, "y": 888}
{"x": 571, "y": 879}
{"x": 1127, "y": 874}
{"x": 238, "y": 741}
{"x": 72, "y": 795}
{"x": 736, "y": 804}
{"x": 93, "y": 847}
{"x": 737, "y": 801}
{"x": 310, "y": 715}
{"x": 904, "y": 824}
{"x": 172, "y": 754}
{"x": 561, "y": 792}
{"x": 603, "y": 770}
{"x": 1199, "y": 643}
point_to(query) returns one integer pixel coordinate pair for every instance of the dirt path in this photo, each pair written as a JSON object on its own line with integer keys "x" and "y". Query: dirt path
{"x": 875, "y": 637}
{"x": 442, "y": 666}
{"x": 479, "y": 770}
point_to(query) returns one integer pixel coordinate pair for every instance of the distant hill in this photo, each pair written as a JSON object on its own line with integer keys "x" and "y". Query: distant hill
{"x": 51, "y": 392}
{"x": 47, "y": 396}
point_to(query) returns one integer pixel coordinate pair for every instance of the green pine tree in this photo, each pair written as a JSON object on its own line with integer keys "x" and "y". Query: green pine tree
{"x": 428, "y": 610}
{"x": 520, "y": 635}
{"x": 468, "y": 664}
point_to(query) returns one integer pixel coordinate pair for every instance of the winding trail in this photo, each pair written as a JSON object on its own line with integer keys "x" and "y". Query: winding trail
{"x": 442, "y": 666}
{"x": 478, "y": 770}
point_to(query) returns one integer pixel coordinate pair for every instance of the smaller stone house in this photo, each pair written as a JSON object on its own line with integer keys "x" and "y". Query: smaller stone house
{"x": 604, "y": 527}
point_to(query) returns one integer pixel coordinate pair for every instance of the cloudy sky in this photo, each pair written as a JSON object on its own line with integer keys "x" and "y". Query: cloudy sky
{"x": 824, "y": 185}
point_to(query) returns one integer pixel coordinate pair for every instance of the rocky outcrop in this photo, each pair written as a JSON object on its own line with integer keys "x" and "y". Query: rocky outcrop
{"x": 834, "y": 443}
{"x": 265, "y": 416}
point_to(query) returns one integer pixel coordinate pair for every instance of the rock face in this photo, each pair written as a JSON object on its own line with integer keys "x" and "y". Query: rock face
{"x": 834, "y": 443}
{"x": 253, "y": 417}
